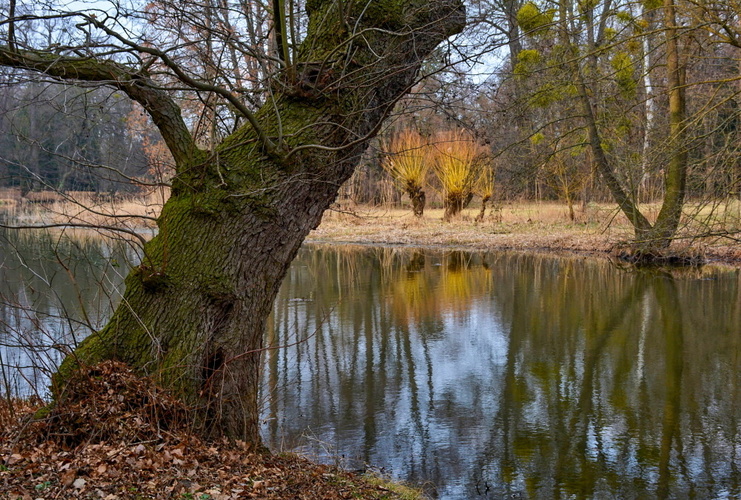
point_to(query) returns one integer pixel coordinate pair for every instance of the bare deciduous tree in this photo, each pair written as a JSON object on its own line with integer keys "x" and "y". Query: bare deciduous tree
{"x": 289, "y": 104}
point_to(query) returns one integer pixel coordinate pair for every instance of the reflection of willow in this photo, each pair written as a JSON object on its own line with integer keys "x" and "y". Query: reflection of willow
{"x": 428, "y": 289}
{"x": 371, "y": 356}
{"x": 571, "y": 422}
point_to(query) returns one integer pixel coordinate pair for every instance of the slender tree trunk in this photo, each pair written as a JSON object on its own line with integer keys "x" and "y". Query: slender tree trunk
{"x": 570, "y": 204}
{"x": 193, "y": 313}
{"x": 650, "y": 108}
{"x": 514, "y": 42}
{"x": 480, "y": 216}
{"x": 621, "y": 196}
{"x": 626, "y": 204}
{"x": 675, "y": 178}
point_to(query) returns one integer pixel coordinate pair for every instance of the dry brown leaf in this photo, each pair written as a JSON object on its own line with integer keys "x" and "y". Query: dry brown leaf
{"x": 68, "y": 477}
{"x": 112, "y": 462}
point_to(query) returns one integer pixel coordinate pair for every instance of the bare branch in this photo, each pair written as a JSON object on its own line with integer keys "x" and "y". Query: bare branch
{"x": 163, "y": 110}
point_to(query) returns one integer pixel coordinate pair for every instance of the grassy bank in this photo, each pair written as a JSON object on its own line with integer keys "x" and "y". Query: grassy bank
{"x": 597, "y": 229}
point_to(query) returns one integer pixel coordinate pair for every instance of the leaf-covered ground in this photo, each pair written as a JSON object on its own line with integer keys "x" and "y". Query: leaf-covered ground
{"x": 118, "y": 436}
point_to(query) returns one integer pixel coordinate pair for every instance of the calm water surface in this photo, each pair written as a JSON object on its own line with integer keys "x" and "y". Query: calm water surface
{"x": 478, "y": 375}
{"x": 510, "y": 375}
{"x": 54, "y": 291}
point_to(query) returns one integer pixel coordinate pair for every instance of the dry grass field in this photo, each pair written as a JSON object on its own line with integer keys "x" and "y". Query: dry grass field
{"x": 546, "y": 226}
{"x": 598, "y": 228}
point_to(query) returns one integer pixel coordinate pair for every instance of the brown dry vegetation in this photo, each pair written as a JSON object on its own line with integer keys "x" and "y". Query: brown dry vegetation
{"x": 597, "y": 228}
{"x": 118, "y": 436}
{"x": 546, "y": 226}
{"x": 84, "y": 208}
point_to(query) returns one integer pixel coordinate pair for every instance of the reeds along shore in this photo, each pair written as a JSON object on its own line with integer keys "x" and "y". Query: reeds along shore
{"x": 83, "y": 208}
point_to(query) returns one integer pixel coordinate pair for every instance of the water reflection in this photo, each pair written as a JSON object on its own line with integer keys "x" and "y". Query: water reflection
{"x": 54, "y": 291}
{"x": 482, "y": 375}
{"x": 493, "y": 375}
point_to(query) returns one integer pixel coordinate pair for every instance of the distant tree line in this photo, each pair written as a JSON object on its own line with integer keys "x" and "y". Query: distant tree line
{"x": 67, "y": 138}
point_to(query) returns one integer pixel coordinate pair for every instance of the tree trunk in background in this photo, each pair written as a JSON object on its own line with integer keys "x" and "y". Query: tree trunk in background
{"x": 628, "y": 206}
{"x": 419, "y": 200}
{"x": 482, "y": 213}
{"x": 650, "y": 107}
{"x": 675, "y": 177}
{"x": 194, "y": 311}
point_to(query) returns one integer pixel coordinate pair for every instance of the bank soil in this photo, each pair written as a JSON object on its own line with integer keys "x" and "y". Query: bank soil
{"x": 118, "y": 436}
{"x": 598, "y": 230}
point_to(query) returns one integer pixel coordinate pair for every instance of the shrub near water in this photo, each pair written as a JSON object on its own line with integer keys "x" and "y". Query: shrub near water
{"x": 408, "y": 163}
{"x": 458, "y": 161}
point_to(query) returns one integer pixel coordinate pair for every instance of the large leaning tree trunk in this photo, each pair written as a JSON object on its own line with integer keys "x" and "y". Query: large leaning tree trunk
{"x": 194, "y": 311}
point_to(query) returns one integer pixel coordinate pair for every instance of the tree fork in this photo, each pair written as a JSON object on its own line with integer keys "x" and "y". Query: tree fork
{"x": 675, "y": 180}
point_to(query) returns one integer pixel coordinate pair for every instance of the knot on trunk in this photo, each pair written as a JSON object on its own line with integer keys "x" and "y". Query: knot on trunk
{"x": 307, "y": 80}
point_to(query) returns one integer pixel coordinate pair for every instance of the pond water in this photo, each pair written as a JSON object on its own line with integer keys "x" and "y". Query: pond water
{"x": 478, "y": 375}
{"x": 54, "y": 291}
{"x": 510, "y": 375}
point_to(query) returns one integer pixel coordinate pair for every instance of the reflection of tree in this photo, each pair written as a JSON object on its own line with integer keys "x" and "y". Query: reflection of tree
{"x": 547, "y": 407}
{"x": 550, "y": 377}
{"x": 576, "y": 417}
{"x": 54, "y": 290}
{"x": 671, "y": 315}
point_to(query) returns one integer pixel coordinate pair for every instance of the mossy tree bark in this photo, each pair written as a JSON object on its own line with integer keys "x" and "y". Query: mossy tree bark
{"x": 194, "y": 311}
